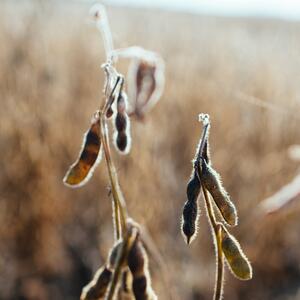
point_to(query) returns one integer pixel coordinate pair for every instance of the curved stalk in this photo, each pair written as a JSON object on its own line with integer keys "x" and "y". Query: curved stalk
{"x": 219, "y": 253}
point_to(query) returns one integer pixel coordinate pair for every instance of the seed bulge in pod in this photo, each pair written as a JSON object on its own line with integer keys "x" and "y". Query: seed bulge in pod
{"x": 121, "y": 122}
{"x": 122, "y": 140}
{"x": 193, "y": 188}
{"x": 122, "y": 103}
{"x": 114, "y": 254}
{"x": 98, "y": 286}
{"x": 137, "y": 258}
{"x": 212, "y": 182}
{"x": 189, "y": 222}
{"x": 236, "y": 259}
{"x": 139, "y": 287}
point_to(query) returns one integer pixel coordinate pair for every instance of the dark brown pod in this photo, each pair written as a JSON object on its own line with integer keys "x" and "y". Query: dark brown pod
{"x": 139, "y": 287}
{"x": 137, "y": 258}
{"x": 98, "y": 286}
{"x": 123, "y": 141}
{"x": 121, "y": 122}
{"x": 193, "y": 188}
{"x": 138, "y": 266}
{"x": 189, "y": 220}
{"x": 212, "y": 182}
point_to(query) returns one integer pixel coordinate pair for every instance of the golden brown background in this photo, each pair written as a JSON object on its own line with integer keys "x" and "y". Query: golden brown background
{"x": 53, "y": 238}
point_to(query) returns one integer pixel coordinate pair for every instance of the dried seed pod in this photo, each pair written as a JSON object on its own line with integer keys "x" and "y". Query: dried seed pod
{"x": 90, "y": 155}
{"x": 114, "y": 254}
{"x": 121, "y": 121}
{"x": 189, "y": 220}
{"x": 98, "y": 286}
{"x": 138, "y": 265}
{"x": 236, "y": 259}
{"x": 122, "y": 124}
{"x": 137, "y": 258}
{"x": 109, "y": 112}
{"x": 193, "y": 188}
{"x": 145, "y": 84}
{"x": 212, "y": 182}
{"x": 190, "y": 209}
{"x": 122, "y": 141}
{"x": 122, "y": 102}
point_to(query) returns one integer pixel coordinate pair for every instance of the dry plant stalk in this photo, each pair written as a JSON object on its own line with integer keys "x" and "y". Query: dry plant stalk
{"x": 205, "y": 178}
{"x": 126, "y": 270}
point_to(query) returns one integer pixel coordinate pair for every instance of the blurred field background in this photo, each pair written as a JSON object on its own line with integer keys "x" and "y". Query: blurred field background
{"x": 54, "y": 238}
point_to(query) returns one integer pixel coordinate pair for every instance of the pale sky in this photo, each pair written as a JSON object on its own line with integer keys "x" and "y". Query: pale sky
{"x": 283, "y": 9}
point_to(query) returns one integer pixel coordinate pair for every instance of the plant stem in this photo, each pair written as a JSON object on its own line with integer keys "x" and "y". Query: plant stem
{"x": 219, "y": 253}
{"x": 216, "y": 229}
{"x": 116, "y": 217}
{"x": 128, "y": 241}
{"x": 119, "y": 202}
{"x": 220, "y": 266}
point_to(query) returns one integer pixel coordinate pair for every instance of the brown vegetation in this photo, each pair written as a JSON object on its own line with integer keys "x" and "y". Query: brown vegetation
{"x": 53, "y": 238}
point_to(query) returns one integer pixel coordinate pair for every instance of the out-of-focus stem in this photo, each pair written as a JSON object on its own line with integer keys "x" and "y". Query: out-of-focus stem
{"x": 119, "y": 202}
{"x": 128, "y": 241}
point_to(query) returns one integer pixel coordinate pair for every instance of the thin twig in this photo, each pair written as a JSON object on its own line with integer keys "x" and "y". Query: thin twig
{"x": 116, "y": 217}
{"x": 220, "y": 266}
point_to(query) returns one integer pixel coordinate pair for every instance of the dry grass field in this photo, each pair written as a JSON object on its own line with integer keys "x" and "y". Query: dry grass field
{"x": 244, "y": 73}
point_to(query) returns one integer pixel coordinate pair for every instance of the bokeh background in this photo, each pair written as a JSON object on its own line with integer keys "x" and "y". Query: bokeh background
{"x": 244, "y": 72}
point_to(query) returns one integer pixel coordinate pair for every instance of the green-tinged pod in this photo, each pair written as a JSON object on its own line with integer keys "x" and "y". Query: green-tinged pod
{"x": 189, "y": 220}
{"x": 236, "y": 259}
{"x": 212, "y": 182}
{"x": 90, "y": 155}
{"x": 98, "y": 286}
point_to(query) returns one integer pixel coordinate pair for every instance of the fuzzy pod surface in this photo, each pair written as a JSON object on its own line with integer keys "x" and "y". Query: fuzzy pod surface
{"x": 236, "y": 259}
{"x": 189, "y": 220}
{"x": 98, "y": 286}
{"x": 90, "y": 155}
{"x": 212, "y": 182}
